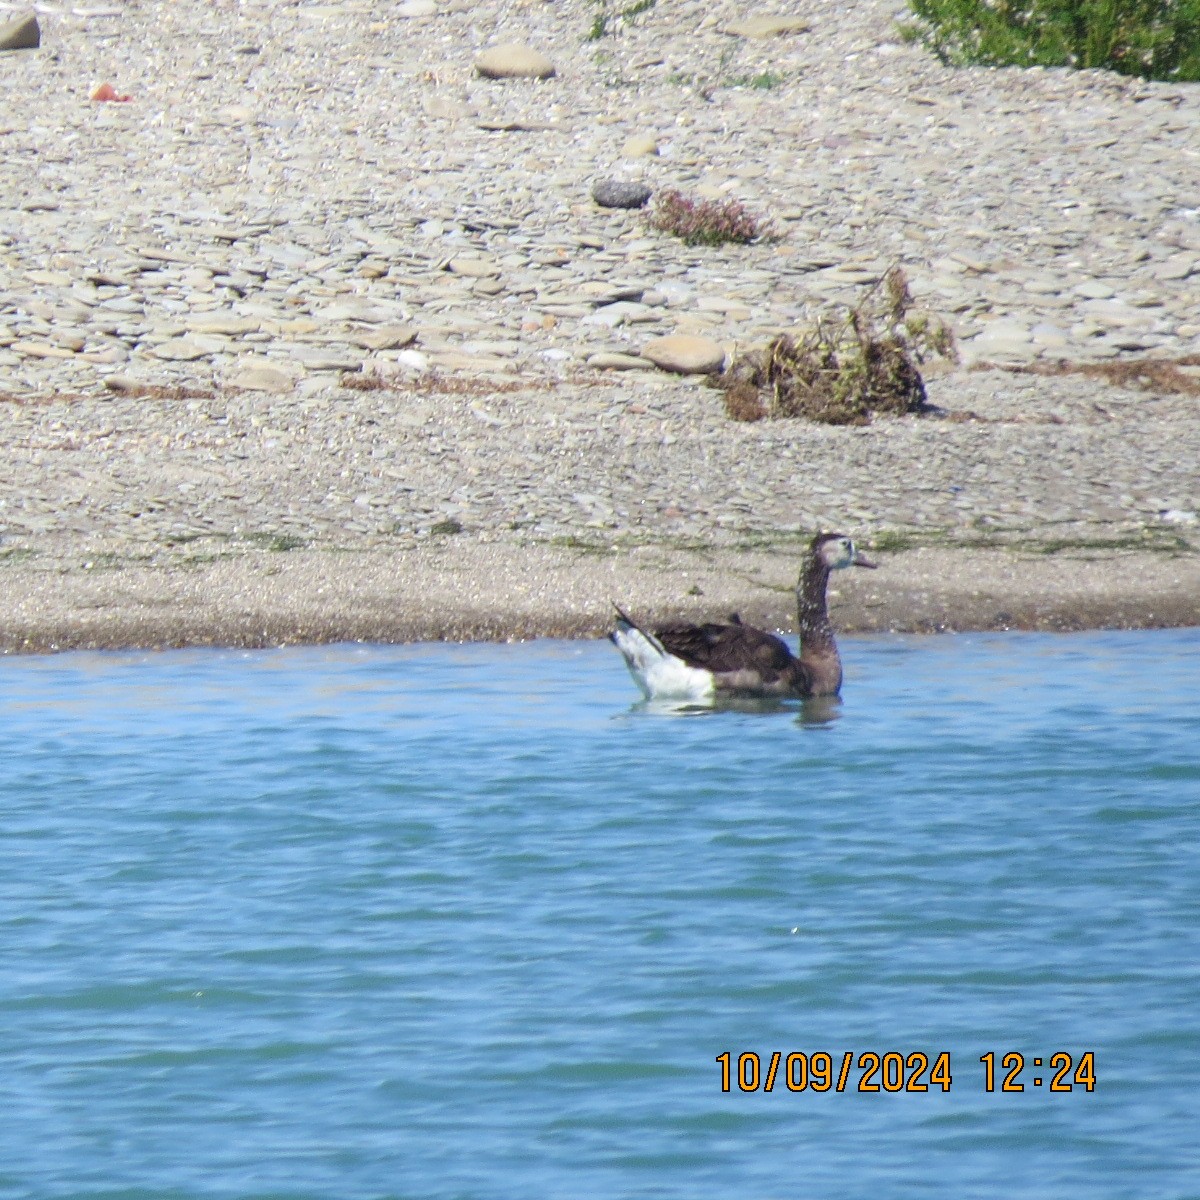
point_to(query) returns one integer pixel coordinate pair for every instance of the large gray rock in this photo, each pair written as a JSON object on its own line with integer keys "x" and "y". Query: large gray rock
{"x": 619, "y": 193}
{"x": 21, "y": 33}
{"x": 513, "y": 61}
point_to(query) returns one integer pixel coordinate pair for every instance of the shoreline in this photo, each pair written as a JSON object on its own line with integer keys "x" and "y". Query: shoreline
{"x": 360, "y": 356}
{"x": 503, "y": 592}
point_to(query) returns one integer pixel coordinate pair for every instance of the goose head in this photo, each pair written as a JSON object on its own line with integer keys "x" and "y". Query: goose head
{"x": 836, "y": 551}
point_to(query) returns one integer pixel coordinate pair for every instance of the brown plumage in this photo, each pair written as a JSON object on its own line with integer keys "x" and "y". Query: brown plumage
{"x": 743, "y": 660}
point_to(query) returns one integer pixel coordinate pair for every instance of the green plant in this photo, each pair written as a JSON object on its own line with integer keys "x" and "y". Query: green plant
{"x": 708, "y": 222}
{"x": 765, "y": 81}
{"x": 601, "y": 20}
{"x": 277, "y": 543}
{"x": 1153, "y": 39}
{"x": 842, "y": 370}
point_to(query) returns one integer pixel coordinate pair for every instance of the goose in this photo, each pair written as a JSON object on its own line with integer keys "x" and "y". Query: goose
{"x": 702, "y": 662}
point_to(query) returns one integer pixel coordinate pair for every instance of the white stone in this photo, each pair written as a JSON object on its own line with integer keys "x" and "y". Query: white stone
{"x": 685, "y": 354}
{"x": 512, "y": 60}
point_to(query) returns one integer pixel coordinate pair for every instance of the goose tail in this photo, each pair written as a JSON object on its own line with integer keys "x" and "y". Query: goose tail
{"x": 655, "y": 670}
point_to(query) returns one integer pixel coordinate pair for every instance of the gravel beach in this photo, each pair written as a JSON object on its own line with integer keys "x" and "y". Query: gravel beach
{"x": 322, "y": 334}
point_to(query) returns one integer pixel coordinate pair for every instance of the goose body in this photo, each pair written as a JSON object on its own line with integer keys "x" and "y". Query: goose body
{"x": 729, "y": 658}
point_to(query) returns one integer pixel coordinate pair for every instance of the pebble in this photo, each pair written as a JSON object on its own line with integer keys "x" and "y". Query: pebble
{"x": 609, "y": 361}
{"x": 638, "y": 146}
{"x": 21, "y": 33}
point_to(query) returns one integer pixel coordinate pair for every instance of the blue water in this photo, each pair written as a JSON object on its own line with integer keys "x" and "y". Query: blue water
{"x": 466, "y": 922}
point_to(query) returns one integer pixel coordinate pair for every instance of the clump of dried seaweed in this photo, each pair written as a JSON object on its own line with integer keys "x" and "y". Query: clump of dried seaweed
{"x": 844, "y": 369}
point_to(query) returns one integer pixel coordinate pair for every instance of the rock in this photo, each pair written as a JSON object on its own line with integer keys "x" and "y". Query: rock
{"x": 473, "y": 268}
{"x": 122, "y": 384}
{"x": 261, "y": 376}
{"x": 1049, "y": 335}
{"x": 639, "y": 146}
{"x": 619, "y": 313}
{"x": 1178, "y": 266}
{"x": 765, "y": 27}
{"x": 222, "y": 324}
{"x": 605, "y": 360}
{"x": 21, "y": 33}
{"x": 513, "y": 61}
{"x": 685, "y": 354}
{"x": 388, "y": 337}
{"x": 412, "y": 360}
{"x": 619, "y": 193}
{"x": 38, "y": 349}
{"x": 446, "y": 109}
{"x": 416, "y": 8}
{"x": 179, "y": 350}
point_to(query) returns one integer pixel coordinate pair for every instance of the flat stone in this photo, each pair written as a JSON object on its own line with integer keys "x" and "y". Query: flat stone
{"x": 685, "y": 354}
{"x": 446, "y": 109}
{"x": 223, "y": 324}
{"x": 416, "y": 8}
{"x": 36, "y": 349}
{"x": 512, "y": 60}
{"x": 619, "y": 193}
{"x": 323, "y": 358}
{"x": 357, "y": 308}
{"x": 1050, "y": 336}
{"x": 639, "y": 146}
{"x": 179, "y": 350}
{"x": 261, "y": 377}
{"x": 622, "y": 312}
{"x": 517, "y": 126}
{"x": 390, "y": 337}
{"x": 21, "y": 33}
{"x": 473, "y": 268}
{"x": 766, "y": 27}
{"x": 1003, "y": 331}
{"x": 69, "y": 339}
{"x": 1178, "y": 266}
{"x": 605, "y": 360}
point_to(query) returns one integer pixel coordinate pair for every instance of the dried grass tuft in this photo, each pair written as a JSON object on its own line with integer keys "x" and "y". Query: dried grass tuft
{"x": 842, "y": 371}
{"x": 1172, "y": 376}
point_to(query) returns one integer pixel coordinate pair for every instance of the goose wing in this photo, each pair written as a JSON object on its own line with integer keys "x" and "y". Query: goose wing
{"x": 730, "y": 649}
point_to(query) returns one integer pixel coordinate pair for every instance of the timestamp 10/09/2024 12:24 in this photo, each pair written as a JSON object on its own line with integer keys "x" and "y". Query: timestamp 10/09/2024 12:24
{"x": 896, "y": 1072}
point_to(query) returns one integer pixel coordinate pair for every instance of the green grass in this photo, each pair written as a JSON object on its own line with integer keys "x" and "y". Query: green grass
{"x": 278, "y": 543}
{"x": 764, "y": 81}
{"x": 1152, "y": 39}
{"x": 604, "y": 18}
